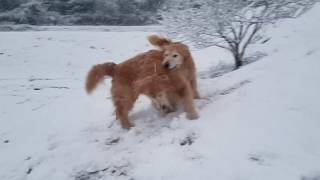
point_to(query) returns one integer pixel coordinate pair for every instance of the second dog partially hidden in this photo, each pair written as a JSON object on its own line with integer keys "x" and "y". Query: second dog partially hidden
{"x": 166, "y": 76}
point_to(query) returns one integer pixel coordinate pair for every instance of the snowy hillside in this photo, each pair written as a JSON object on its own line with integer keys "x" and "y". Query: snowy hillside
{"x": 257, "y": 123}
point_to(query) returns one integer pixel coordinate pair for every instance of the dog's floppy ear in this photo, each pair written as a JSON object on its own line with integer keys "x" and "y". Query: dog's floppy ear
{"x": 159, "y": 41}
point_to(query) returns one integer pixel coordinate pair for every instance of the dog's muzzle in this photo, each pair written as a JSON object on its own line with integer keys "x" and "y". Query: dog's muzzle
{"x": 166, "y": 65}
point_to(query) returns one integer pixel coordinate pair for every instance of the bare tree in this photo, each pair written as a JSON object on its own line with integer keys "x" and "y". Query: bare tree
{"x": 229, "y": 24}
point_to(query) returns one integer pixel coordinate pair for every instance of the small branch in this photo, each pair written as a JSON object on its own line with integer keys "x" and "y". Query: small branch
{"x": 229, "y": 41}
{"x": 246, "y": 30}
{"x": 240, "y": 31}
{"x": 257, "y": 27}
{"x": 236, "y": 38}
{"x": 224, "y": 47}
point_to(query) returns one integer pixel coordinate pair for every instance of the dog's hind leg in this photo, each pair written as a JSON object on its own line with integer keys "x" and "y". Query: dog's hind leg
{"x": 123, "y": 100}
{"x": 122, "y": 111}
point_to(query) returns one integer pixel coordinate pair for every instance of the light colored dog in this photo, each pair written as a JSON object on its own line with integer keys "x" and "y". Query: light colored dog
{"x": 166, "y": 76}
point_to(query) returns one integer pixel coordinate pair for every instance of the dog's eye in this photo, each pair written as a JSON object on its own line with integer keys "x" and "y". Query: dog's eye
{"x": 175, "y": 55}
{"x": 166, "y": 55}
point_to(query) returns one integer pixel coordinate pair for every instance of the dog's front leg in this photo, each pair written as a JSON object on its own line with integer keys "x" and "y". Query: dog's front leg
{"x": 194, "y": 87}
{"x": 188, "y": 102}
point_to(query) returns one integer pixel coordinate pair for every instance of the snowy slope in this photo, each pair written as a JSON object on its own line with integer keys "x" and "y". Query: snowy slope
{"x": 260, "y": 122}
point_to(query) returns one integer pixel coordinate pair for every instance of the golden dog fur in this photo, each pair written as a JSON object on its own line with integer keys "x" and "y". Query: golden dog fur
{"x": 147, "y": 74}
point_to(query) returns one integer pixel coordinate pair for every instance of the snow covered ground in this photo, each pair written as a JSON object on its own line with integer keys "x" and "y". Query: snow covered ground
{"x": 259, "y": 122}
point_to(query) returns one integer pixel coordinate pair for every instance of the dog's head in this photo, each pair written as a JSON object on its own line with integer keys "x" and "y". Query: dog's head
{"x": 175, "y": 53}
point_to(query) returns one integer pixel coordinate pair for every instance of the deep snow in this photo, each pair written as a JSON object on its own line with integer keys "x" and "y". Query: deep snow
{"x": 259, "y": 122}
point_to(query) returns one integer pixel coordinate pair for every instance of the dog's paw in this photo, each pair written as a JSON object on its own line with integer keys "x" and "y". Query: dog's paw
{"x": 204, "y": 98}
{"x": 196, "y": 96}
{"x": 192, "y": 116}
{"x": 127, "y": 126}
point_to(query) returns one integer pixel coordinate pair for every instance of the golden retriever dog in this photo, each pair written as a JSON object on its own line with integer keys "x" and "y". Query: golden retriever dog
{"x": 166, "y": 76}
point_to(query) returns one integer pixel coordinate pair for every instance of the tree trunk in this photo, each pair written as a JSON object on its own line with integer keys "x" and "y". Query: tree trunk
{"x": 238, "y": 61}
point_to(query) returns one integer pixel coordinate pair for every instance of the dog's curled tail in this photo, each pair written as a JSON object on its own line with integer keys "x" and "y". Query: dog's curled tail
{"x": 159, "y": 41}
{"x": 97, "y": 73}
